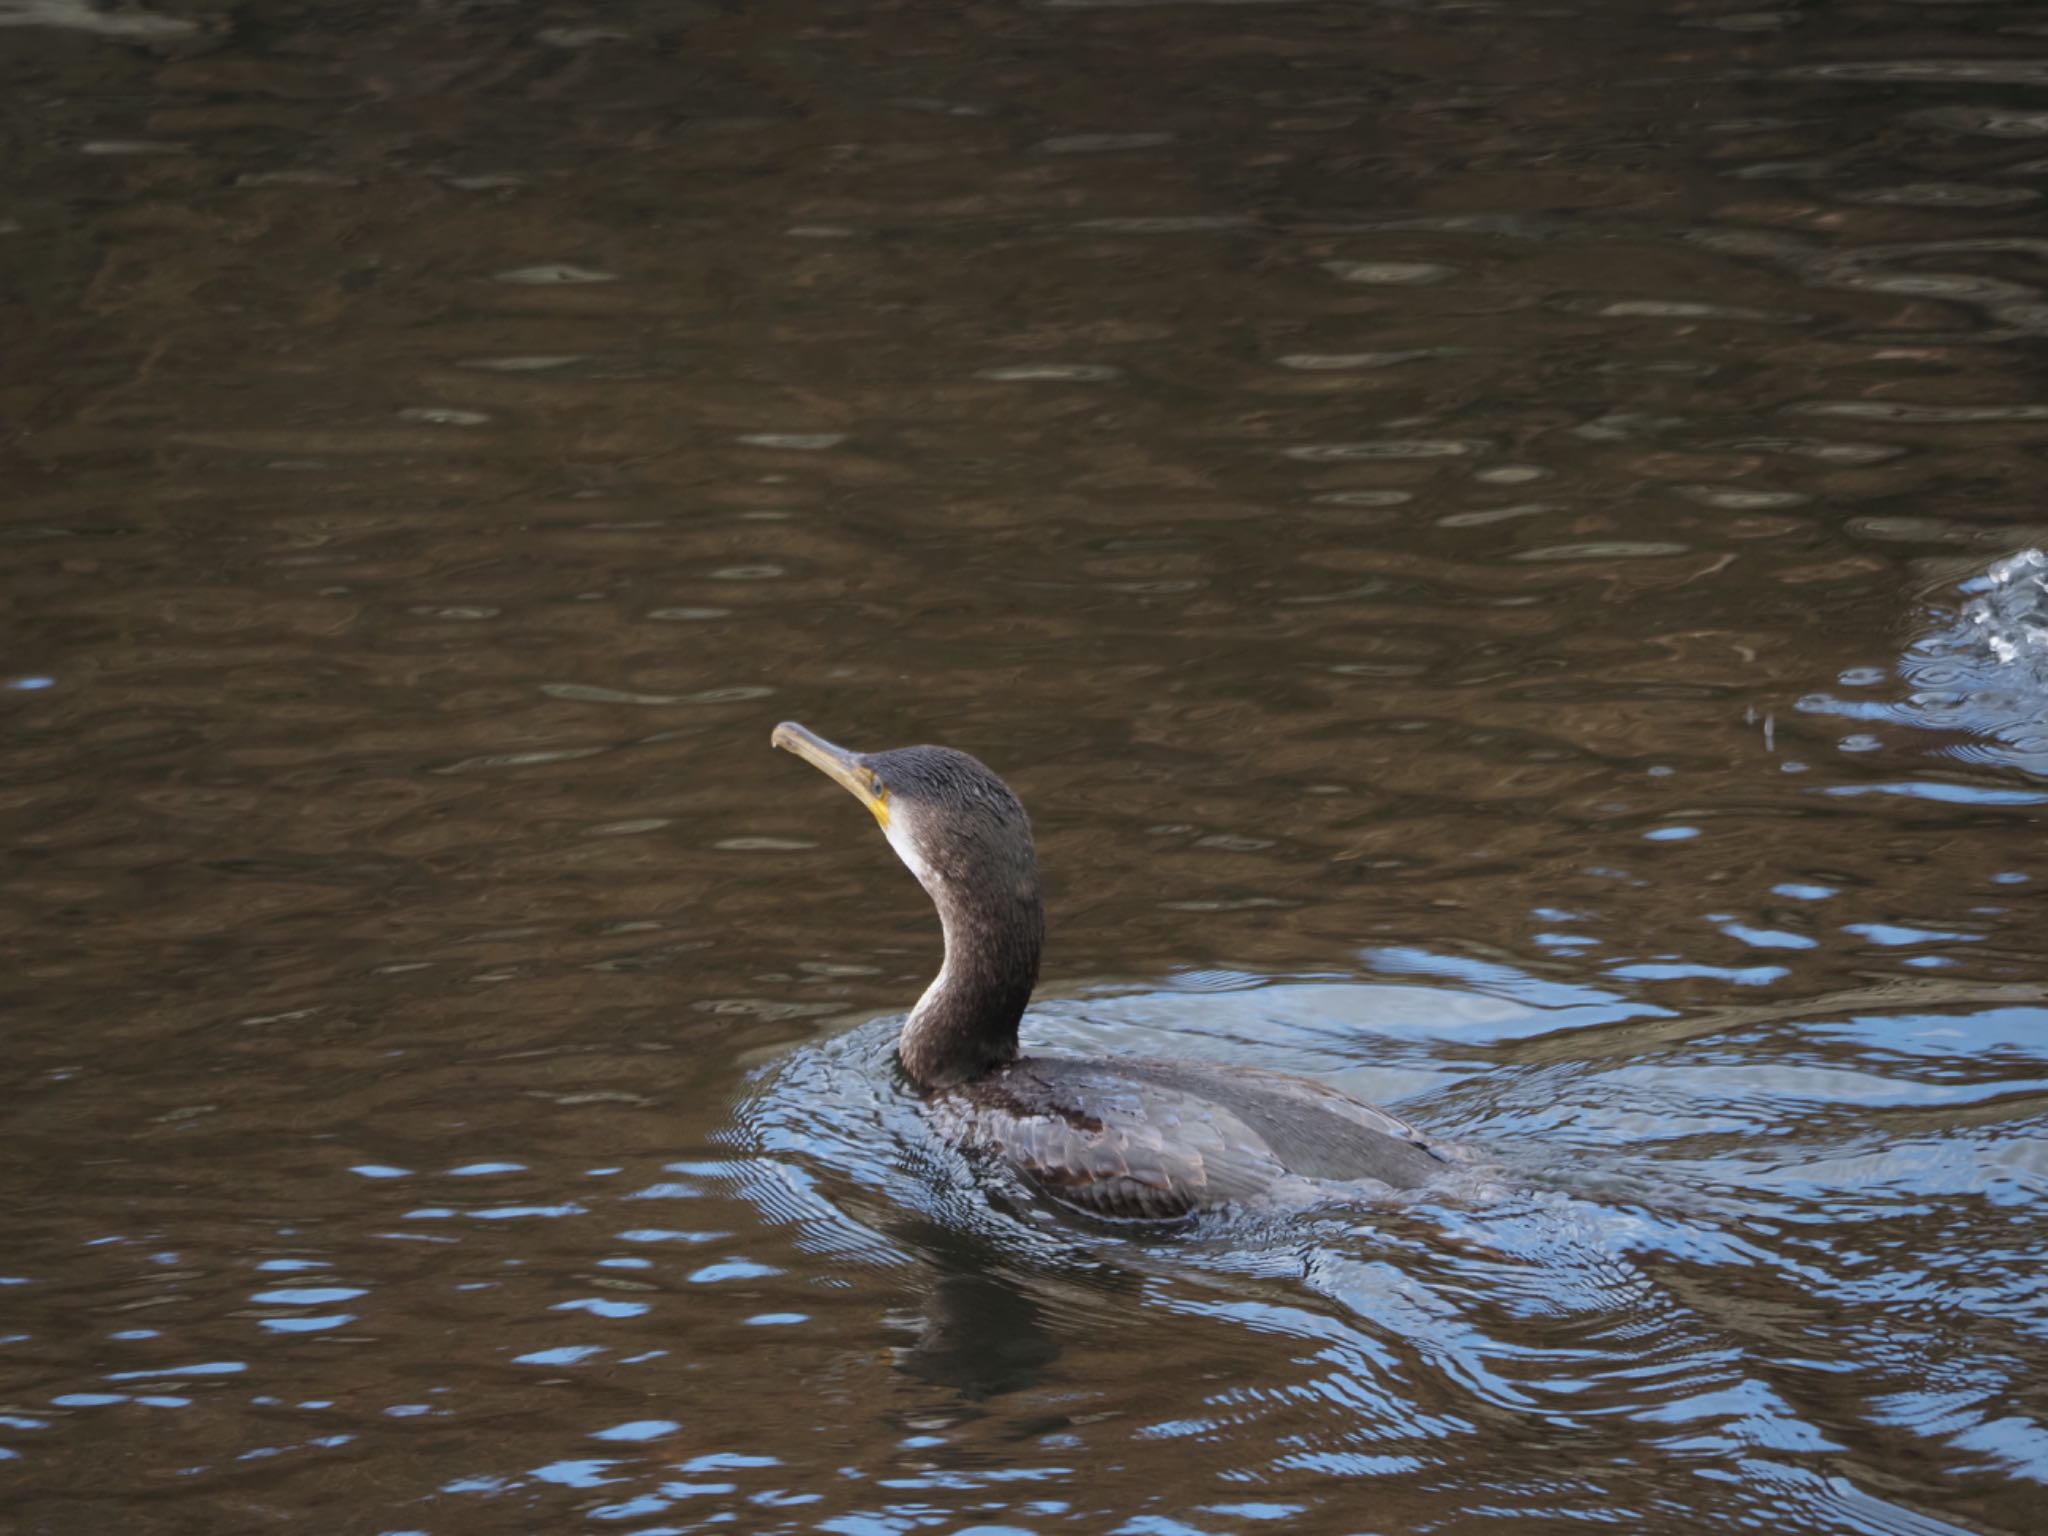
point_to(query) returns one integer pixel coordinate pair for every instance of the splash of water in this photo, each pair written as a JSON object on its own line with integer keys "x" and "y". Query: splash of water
{"x": 2008, "y": 618}
{"x": 1979, "y": 674}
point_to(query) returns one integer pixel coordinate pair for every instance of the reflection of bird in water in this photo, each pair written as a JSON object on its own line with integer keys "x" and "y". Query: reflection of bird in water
{"x": 980, "y": 1335}
{"x": 1127, "y": 1137}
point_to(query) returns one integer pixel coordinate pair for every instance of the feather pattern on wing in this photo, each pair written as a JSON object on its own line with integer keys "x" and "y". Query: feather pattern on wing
{"x": 1146, "y": 1139}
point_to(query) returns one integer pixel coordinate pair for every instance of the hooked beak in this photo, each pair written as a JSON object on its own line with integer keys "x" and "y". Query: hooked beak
{"x": 844, "y": 768}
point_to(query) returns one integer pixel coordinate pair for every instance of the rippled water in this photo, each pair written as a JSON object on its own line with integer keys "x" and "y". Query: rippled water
{"x": 1491, "y": 540}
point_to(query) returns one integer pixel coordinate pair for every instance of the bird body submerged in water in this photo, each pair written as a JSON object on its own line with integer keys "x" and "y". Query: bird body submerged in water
{"x": 1126, "y": 1137}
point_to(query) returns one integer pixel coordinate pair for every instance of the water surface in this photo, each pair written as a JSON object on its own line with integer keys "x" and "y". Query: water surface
{"x": 1477, "y": 532}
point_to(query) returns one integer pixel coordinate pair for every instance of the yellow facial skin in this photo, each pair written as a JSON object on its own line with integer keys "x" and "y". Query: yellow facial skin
{"x": 836, "y": 763}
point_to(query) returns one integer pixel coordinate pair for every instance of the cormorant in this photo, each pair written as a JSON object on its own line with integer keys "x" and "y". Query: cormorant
{"x": 1131, "y": 1138}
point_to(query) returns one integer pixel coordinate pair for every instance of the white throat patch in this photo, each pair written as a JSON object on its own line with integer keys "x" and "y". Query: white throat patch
{"x": 898, "y": 833}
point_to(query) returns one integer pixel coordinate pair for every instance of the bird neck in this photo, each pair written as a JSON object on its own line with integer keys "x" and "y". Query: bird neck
{"x": 965, "y": 1025}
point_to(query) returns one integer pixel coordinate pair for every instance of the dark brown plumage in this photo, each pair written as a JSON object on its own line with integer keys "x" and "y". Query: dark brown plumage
{"x": 1131, "y": 1138}
{"x": 1135, "y": 1137}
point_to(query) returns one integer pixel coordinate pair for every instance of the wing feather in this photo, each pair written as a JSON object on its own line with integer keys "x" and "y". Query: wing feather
{"x": 1110, "y": 1143}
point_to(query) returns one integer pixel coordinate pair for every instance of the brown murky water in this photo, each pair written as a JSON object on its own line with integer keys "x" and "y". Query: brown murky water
{"x": 1461, "y": 522}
